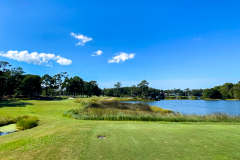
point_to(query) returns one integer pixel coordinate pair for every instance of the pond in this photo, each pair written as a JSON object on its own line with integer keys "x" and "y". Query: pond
{"x": 7, "y": 129}
{"x": 199, "y": 107}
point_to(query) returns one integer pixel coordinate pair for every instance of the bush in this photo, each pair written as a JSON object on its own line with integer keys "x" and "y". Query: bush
{"x": 156, "y": 109}
{"x": 182, "y": 97}
{"x": 194, "y": 97}
{"x": 26, "y": 122}
{"x": 23, "y": 122}
{"x": 6, "y": 120}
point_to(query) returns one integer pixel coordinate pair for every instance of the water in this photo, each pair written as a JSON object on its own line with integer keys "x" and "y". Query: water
{"x": 4, "y": 130}
{"x": 199, "y": 107}
{"x": 5, "y": 133}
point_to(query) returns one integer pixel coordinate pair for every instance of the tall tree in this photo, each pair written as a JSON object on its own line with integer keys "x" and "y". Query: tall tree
{"x": 134, "y": 91}
{"x": 91, "y": 88}
{"x": 47, "y": 83}
{"x": 225, "y": 90}
{"x": 186, "y": 91}
{"x": 14, "y": 81}
{"x": 212, "y": 93}
{"x": 75, "y": 85}
{"x": 58, "y": 79}
{"x": 143, "y": 87}
{"x": 31, "y": 85}
{"x": 4, "y": 72}
{"x": 117, "y": 89}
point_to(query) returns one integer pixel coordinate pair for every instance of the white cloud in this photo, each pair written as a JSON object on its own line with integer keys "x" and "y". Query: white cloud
{"x": 82, "y": 39}
{"x": 35, "y": 58}
{"x": 122, "y": 56}
{"x": 98, "y": 53}
{"x": 63, "y": 61}
{"x": 197, "y": 39}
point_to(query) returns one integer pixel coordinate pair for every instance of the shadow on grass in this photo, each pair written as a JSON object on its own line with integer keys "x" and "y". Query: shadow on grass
{"x": 13, "y": 104}
{"x": 51, "y": 99}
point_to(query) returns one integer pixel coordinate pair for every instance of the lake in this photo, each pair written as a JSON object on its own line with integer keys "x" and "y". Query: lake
{"x": 200, "y": 107}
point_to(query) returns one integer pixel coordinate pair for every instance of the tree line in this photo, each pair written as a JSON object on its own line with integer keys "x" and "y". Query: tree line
{"x": 142, "y": 90}
{"x": 14, "y": 82}
{"x": 225, "y": 91}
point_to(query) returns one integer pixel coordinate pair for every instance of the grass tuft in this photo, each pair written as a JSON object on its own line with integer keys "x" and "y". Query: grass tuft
{"x": 26, "y": 122}
{"x": 7, "y": 120}
{"x": 23, "y": 122}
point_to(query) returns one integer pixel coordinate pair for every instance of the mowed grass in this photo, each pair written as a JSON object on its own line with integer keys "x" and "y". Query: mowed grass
{"x": 58, "y": 137}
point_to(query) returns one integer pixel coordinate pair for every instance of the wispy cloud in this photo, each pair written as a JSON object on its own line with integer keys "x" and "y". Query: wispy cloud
{"x": 35, "y": 58}
{"x": 197, "y": 39}
{"x": 82, "y": 39}
{"x": 122, "y": 56}
{"x": 98, "y": 53}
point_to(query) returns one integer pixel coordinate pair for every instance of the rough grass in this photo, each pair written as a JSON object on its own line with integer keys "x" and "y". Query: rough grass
{"x": 129, "y": 115}
{"x": 99, "y": 109}
{"x": 26, "y": 122}
{"x": 126, "y": 99}
{"x": 23, "y": 122}
{"x": 58, "y": 137}
{"x": 7, "y": 120}
{"x": 106, "y": 104}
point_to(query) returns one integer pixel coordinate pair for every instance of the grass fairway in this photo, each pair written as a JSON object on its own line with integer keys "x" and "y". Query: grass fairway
{"x": 58, "y": 137}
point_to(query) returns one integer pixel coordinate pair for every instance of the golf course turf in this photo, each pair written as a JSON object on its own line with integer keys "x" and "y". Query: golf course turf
{"x": 58, "y": 137}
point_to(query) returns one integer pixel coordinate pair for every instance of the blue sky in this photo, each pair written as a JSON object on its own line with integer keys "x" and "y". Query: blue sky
{"x": 171, "y": 44}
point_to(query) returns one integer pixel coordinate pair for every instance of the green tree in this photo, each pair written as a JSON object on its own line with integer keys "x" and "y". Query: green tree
{"x": 143, "y": 87}
{"x": 225, "y": 90}
{"x": 186, "y": 92}
{"x": 117, "y": 90}
{"x": 31, "y": 85}
{"x": 4, "y": 72}
{"x": 14, "y": 81}
{"x": 58, "y": 79}
{"x": 212, "y": 93}
{"x": 75, "y": 85}
{"x": 47, "y": 83}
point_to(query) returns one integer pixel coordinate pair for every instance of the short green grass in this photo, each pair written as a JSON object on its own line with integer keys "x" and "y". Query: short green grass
{"x": 58, "y": 137}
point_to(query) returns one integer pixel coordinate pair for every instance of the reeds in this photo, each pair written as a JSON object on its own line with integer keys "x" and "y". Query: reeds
{"x": 27, "y": 122}
{"x": 22, "y": 122}
{"x": 114, "y": 111}
{"x": 7, "y": 120}
{"x": 128, "y": 115}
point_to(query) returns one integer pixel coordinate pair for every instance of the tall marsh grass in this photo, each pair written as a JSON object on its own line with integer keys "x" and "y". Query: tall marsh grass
{"x": 128, "y": 115}
{"x": 7, "y": 120}
{"x": 27, "y": 122}
{"x": 99, "y": 109}
{"x": 22, "y": 122}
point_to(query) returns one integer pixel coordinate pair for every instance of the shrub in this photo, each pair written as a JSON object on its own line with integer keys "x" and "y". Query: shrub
{"x": 23, "y": 122}
{"x": 7, "y": 120}
{"x": 156, "y": 109}
{"x": 26, "y": 122}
